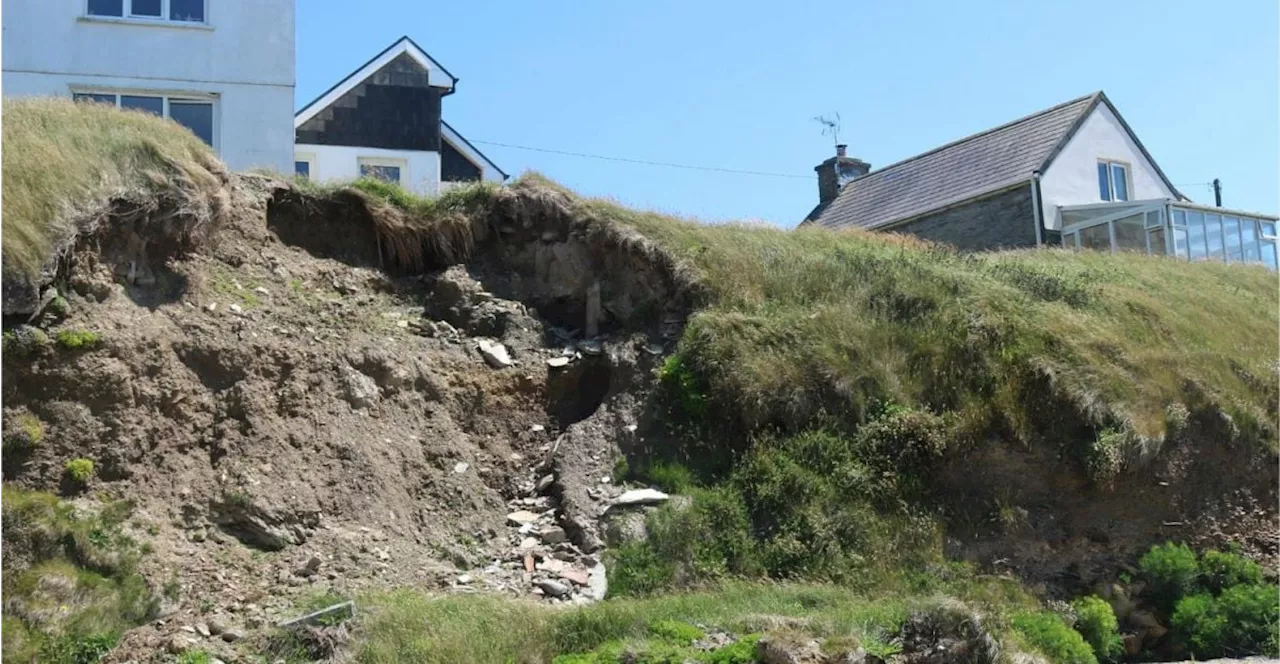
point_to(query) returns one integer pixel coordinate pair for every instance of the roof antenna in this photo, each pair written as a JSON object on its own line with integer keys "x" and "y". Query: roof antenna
{"x": 830, "y": 126}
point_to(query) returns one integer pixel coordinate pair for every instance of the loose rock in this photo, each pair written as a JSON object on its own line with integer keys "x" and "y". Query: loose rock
{"x": 640, "y": 497}
{"x": 494, "y": 353}
{"x": 552, "y": 588}
{"x": 521, "y": 518}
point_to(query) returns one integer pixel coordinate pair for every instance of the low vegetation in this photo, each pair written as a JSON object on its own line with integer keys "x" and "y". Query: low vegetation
{"x": 78, "y": 339}
{"x": 65, "y": 162}
{"x": 70, "y": 581}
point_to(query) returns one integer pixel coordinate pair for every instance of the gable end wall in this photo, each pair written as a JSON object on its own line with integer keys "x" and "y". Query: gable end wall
{"x": 1002, "y": 221}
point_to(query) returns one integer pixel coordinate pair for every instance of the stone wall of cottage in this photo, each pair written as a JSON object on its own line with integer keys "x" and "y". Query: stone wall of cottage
{"x": 1002, "y": 221}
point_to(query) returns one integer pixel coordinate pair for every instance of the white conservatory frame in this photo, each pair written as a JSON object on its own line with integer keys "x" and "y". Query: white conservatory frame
{"x": 1161, "y": 230}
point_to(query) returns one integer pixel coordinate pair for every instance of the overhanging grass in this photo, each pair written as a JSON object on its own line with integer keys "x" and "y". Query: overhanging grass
{"x": 63, "y": 160}
{"x": 811, "y": 322}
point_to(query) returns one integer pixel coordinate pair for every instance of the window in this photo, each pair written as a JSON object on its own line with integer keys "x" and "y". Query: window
{"x": 1180, "y": 233}
{"x": 1113, "y": 181}
{"x": 194, "y": 114}
{"x": 387, "y": 170}
{"x": 183, "y": 11}
{"x": 1195, "y": 234}
{"x": 1096, "y": 237}
{"x": 1249, "y": 238}
{"x": 302, "y": 169}
{"x": 1130, "y": 234}
{"x": 1213, "y": 234}
{"x": 1231, "y": 237}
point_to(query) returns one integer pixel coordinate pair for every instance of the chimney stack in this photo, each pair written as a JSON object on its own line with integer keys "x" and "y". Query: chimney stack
{"x": 837, "y": 171}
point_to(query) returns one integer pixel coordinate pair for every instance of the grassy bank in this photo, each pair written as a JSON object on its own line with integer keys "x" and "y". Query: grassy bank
{"x": 64, "y": 161}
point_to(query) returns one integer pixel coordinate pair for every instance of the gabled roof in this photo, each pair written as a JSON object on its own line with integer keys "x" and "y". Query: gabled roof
{"x": 439, "y": 76}
{"x": 468, "y": 150}
{"x": 981, "y": 164}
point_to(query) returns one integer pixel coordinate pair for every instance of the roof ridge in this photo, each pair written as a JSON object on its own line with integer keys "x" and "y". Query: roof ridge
{"x": 984, "y": 132}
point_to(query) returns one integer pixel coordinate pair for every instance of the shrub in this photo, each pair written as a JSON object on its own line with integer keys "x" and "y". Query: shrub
{"x": 1048, "y": 633}
{"x": 78, "y": 339}
{"x": 79, "y": 470}
{"x": 77, "y": 650}
{"x": 195, "y": 657}
{"x": 1242, "y": 621}
{"x": 25, "y": 434}
{"x": 25, "y": 341}
{"x": 742, "y": 651}
{"x": 687, "y": 389}
{"x": 902, "y": 441}
{"x": 1219, "y": 571}
{"x": 1097, "y": 623}
{"x": 1171, "y": 570}
{"x": 675, "y": 631}
{"x": 637, "y": 569}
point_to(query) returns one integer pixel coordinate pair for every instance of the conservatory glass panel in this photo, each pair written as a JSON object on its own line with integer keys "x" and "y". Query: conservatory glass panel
{"x": 1269, "y": 253}
{"x": 1180, "y": 242}
{"x": 1249, "y": 238}
{"x": 1155, "y": 240}
{"x": 1131, "y": 234}
{"x": 1213, "y": 234}
{"x": 1096, "y": 237}
{"x": 1195, "y": 234}
{"x": 1231, "y": 238}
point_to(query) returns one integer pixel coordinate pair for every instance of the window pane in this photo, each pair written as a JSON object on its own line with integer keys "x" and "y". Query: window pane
{"x": 302, "y": 169}
{"x": 153, "y": 105}
{"x": 1213, "y": 234}
{"x": 145, "y": 8}
{"x": 1268, "y": 229}
{"x": 1249, "y": 238}
{"x": 196, "y": 116}
{"x": 96, "y": 98}
{"x": 1104, "y": 182}
{"x": 1269, "y": 254}
{"x": 1231, "y": 235}
{"x": 1155, "y": 239}
{"x": 187, "y": 10}
{"x": 106, "y": 7}
{"x": 1155, "y": 219}
{"x": 1096, "y": 237}
{"x": 386, "y": 173}
{"x": 1120, "y": 182}
{"x": 1180, "y": 242}
{"x": 1195, "y": 234}
{"x": 1179, "y": 217}
{"x": 1130, "y": 235}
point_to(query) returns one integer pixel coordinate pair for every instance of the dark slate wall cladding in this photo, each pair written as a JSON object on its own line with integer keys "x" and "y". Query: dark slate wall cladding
{"x": 454, "y": 167}
{"x": 1001, "y": 221}
{"x": 394, "y": 108}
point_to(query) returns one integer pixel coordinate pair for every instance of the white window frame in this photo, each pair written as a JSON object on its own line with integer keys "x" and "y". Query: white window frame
{"x": 1111, "y": 180}
{"x": 166, "y": 97}
{"x": 126, "y": 14}
{"x": 310, "y": 159}
{"x": 402, "y": 164}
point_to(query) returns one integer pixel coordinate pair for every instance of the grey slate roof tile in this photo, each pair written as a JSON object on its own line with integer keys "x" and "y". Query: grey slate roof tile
{"x": 985, "y": 162}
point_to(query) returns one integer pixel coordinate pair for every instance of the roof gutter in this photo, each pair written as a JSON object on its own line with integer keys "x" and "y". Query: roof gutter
{"x": 1037, "y": 212}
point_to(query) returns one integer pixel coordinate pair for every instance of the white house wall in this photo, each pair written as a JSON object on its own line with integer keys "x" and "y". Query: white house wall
{"x": 1072, "y": 178}
{"x": 340, "y": 162}
{"x": 243, "y": 56}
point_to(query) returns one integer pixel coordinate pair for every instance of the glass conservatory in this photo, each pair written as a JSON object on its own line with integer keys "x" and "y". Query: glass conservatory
{"x": 1172, "y": 228}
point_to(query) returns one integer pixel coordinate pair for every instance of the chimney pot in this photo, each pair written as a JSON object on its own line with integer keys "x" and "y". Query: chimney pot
{"x": 840, "y": 150}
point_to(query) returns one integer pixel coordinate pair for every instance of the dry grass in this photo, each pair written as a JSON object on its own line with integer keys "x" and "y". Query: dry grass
{"x": 65, "y": 164}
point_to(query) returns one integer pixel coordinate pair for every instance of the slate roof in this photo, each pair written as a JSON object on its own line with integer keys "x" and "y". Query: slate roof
{"x": 983, "y": 163}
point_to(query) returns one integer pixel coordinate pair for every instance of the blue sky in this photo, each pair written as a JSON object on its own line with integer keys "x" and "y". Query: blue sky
{"x": 735, "y": 84}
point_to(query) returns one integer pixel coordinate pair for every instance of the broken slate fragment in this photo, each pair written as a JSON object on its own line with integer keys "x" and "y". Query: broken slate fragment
{"x": 577, "y": 576}
{"x": 461, "y": 467}
{"x": 640, "y": 497}
{"x": 552, "y": 588}
{"x": 494, "y": 353}
{"x": 557, "y": 362}
{"x": 552, "y": 535}
{"x": 521, "y": 518}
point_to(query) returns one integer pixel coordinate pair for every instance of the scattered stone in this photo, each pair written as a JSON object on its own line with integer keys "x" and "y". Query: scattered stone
{"x": 360, "y": 391}
{"x": 788, "y": 649}
{"x": 494, "y": 353}
{"x": 597, "y": 580}
{"x": 338, "y": 612}
{"x": 640, "y": 497}
{"x": 552, "y": 588}
{"x": 558, "y": 362}
{"x": 202, "y": 629}
{"x": 464, "y": 579}
{"x": 528, "y": 562}
{"x": 653, "y": 349}
{"x": 537, "y": 428}
{"x": 553, "y": 535}
{"x": 235, "y": 309}
{"x": 178, "y": 644}
{"x": 261, "y": 291}
{"x": 528, "y": 543}
{"x": 544, "y": 483}
{"x": 211, "y": 307}
{"x": 232, "y": 635}
{"x": 577, "y": 576}
{"x": 521, "y": 518}
{"x": 216, "y": 627}
{"x": 461, "y": 467}
{"x": 590, "y": 347}
{"x": 605, "y": 479}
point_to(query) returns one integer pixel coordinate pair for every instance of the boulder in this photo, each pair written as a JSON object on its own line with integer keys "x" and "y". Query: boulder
{"x": 359, "y": 390}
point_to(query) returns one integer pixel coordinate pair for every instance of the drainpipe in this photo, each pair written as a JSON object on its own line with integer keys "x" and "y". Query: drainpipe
{"x": 1037, "y": 213}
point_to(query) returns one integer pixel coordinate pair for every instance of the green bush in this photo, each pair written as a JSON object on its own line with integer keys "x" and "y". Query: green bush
{"x": 1171, "y": 570}
{"x": 1243, "y": 620}
{"x": 79, "y": 470}
{"x": 668, "y": 476}
{"x": 1097, "y": 623}
{"x": 1221, "y": 570}
{"x": 195, "y": 657}
{"x": 77, "y": 650}
{"x": 25, "y": 341}
{"x": 78, "y": 339}
{"x": 1050, "y": 635}
{"x": 675, "y": 631}
{"x": 637, "y": 569}
{"x": 25, "y": 434}
{"x": 742, "y": 651}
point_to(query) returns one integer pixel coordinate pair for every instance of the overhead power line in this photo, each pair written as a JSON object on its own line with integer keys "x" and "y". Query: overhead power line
{"x": 645, "y": 161}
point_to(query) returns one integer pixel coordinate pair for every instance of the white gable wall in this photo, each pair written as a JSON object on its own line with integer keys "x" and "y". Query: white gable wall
{"x": 242, "y": 57}
{"x": 1072, "y": 178}
{"x": 420, "y": 172}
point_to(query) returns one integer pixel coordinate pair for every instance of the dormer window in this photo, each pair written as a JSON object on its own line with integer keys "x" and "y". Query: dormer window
{"x": 184, "y": 11}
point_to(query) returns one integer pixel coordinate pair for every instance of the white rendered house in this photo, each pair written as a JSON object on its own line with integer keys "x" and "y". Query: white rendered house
{"x": 384, "y": 120}
{"x": 222, "y": 68}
